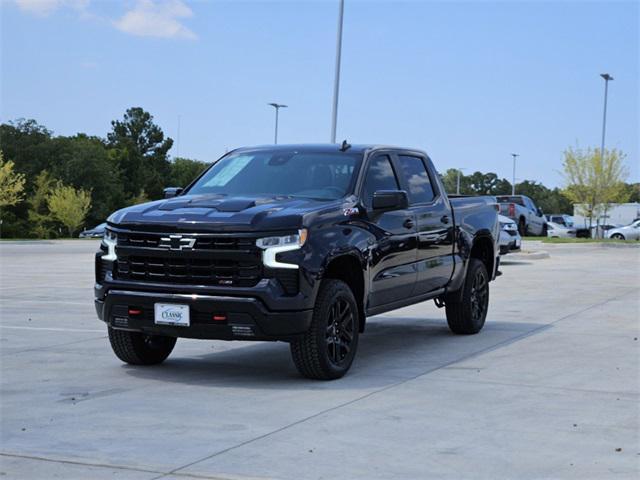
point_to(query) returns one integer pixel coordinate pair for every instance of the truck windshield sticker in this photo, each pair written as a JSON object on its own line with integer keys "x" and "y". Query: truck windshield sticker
{"x": 229, "y": 171}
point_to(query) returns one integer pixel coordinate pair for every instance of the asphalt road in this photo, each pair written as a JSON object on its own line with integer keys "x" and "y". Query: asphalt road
{"x": 549, "y": 389}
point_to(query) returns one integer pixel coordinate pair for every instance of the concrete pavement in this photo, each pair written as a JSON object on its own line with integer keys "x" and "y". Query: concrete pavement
{"x": 549, "y": 389}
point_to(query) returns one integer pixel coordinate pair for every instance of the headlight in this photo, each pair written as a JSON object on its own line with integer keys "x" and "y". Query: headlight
{"x": 508, "y": 226}
{"x": 110, "y": 240}
{"x": 271, "y": 246}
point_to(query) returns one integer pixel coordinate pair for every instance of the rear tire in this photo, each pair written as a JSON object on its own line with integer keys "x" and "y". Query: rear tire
{"x": 326, "y": 351}
{"x": 467, "y": 309}
{"x": 137, "y": 348}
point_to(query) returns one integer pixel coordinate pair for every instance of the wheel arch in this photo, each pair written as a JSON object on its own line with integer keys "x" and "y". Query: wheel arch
{"x": 483, "y": 250}
{"x": 348, "y": 268}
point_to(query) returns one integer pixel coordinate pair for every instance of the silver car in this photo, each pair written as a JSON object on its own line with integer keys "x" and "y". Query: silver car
{"x": 510, "y": 239}
{"x": 630, "y": 232}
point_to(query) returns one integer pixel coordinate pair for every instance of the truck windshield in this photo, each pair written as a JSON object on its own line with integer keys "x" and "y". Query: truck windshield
{"x": 322, "y": 176}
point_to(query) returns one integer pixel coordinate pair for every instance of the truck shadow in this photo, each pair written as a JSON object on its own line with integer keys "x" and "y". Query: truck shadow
{"x": 391, "y": 350}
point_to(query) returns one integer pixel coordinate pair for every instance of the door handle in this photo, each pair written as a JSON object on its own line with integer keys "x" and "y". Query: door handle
{"x": 408, "y": 223}
{"x": 444, "y": 219}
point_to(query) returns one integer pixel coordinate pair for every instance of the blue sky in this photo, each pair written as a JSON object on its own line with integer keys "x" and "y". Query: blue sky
{"x": 469, "y": 82}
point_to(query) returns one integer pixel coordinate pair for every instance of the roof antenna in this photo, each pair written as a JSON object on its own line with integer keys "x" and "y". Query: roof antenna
{"x": 345, "y": 146}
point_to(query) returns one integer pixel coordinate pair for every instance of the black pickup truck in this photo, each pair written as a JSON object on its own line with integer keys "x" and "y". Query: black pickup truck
{"x": 297, "y": 243}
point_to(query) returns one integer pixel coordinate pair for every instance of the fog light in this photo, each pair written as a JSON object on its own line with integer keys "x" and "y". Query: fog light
{"x": 219, "y": 318}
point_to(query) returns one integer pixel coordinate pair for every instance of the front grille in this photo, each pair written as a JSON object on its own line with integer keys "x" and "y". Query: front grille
{"x": 203, "y": 242}
{"x": 213, "y": 260}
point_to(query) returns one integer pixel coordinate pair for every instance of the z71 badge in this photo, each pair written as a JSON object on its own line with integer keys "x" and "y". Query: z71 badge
{"x": 350, "y": 211}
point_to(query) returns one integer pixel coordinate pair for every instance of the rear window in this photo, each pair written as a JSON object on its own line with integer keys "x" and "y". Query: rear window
{"x": 417, "y": 178}
{"x": 518, "y": 200}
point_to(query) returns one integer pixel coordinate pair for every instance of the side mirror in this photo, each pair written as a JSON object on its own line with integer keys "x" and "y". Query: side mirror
{"x": 390, "y": 200}
{"x": 171, "y": 192}
{"x": 540, "y": 214}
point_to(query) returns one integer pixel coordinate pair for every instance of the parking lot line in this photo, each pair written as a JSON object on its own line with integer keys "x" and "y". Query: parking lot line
{"x": 49, "y": 329}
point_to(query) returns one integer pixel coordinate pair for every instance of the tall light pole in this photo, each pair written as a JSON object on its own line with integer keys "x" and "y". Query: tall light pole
{"x": 336, "y": 81}
{"x": 606, "y": 77}
{"x": 277, "y": 106}
{"x": 513, "y": 184}
{"x": 458, "y": 180}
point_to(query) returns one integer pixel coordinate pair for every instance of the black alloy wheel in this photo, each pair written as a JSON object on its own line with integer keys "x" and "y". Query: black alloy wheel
{"x": 341, "y": 325}
{"x": 479, "y": 296}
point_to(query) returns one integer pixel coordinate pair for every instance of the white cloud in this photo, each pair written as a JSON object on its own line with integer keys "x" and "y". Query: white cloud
{"x": 46, "y": 7}
{"x": 157, "y": 18}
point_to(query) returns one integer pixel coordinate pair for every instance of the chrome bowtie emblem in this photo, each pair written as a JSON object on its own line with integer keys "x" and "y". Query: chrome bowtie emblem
{"x": 177, "y": 242}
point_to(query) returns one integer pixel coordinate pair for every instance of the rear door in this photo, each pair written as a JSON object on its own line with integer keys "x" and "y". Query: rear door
{"x": 393, "y": 254}
{"x": 434, "y": 221}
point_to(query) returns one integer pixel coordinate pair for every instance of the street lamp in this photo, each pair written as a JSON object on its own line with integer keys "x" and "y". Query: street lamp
{"x": 458, "y": 180}
{"x": 606, "y": 77}
{"x": 513, "y": 184}
{"x": 277, "y": 106}
{"x": 336, "y": 81}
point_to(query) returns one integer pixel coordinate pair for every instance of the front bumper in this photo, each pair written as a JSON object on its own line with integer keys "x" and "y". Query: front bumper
{"x": 509, "y": 241}
{"x": 246, "y": 318}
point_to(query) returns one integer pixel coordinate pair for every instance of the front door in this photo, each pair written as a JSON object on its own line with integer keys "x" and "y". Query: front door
{"x": 393, "y": 270}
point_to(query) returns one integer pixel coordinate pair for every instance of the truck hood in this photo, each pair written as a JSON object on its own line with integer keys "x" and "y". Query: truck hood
{"x": 219, "y": 213}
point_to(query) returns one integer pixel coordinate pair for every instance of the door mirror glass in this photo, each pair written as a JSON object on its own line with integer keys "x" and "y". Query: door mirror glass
{"x": 390, "y": 200}
{"x": 171, "y": 192}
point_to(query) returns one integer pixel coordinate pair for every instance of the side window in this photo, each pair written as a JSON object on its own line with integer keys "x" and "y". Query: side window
{"x": 380, "y": 176}
{"x": 415, "y": 173}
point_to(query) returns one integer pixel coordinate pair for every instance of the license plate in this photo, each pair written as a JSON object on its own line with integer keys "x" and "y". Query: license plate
{"x": 172, "y": 314}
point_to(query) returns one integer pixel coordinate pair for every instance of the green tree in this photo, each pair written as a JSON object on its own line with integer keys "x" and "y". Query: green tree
{"x": 28, "y": 144}
{"x": 487, "y": 184}
{"x": 633, "y": 191}
{"x": 69, "y": 206}
{"x": 185, "y": 170}
{"x": 594, "y": 180}
{"x": 142, "y": 152}
{"x": 84, "y": 162}
{"x": 138, "y": 199}
{"x": 11, "y": 183}
{"x": 40, "y": 219}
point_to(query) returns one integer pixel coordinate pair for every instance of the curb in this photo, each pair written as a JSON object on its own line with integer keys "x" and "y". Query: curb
{"x": 526, "y": 255}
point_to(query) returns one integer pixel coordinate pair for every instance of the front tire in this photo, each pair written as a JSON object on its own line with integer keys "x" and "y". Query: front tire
{"x": 326, "y": 351}
{"x": 137, "y": 348}
{"x": 522, "y": 227}
{"x": 617, "y": 236}
{"x": 467, "y": 309}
